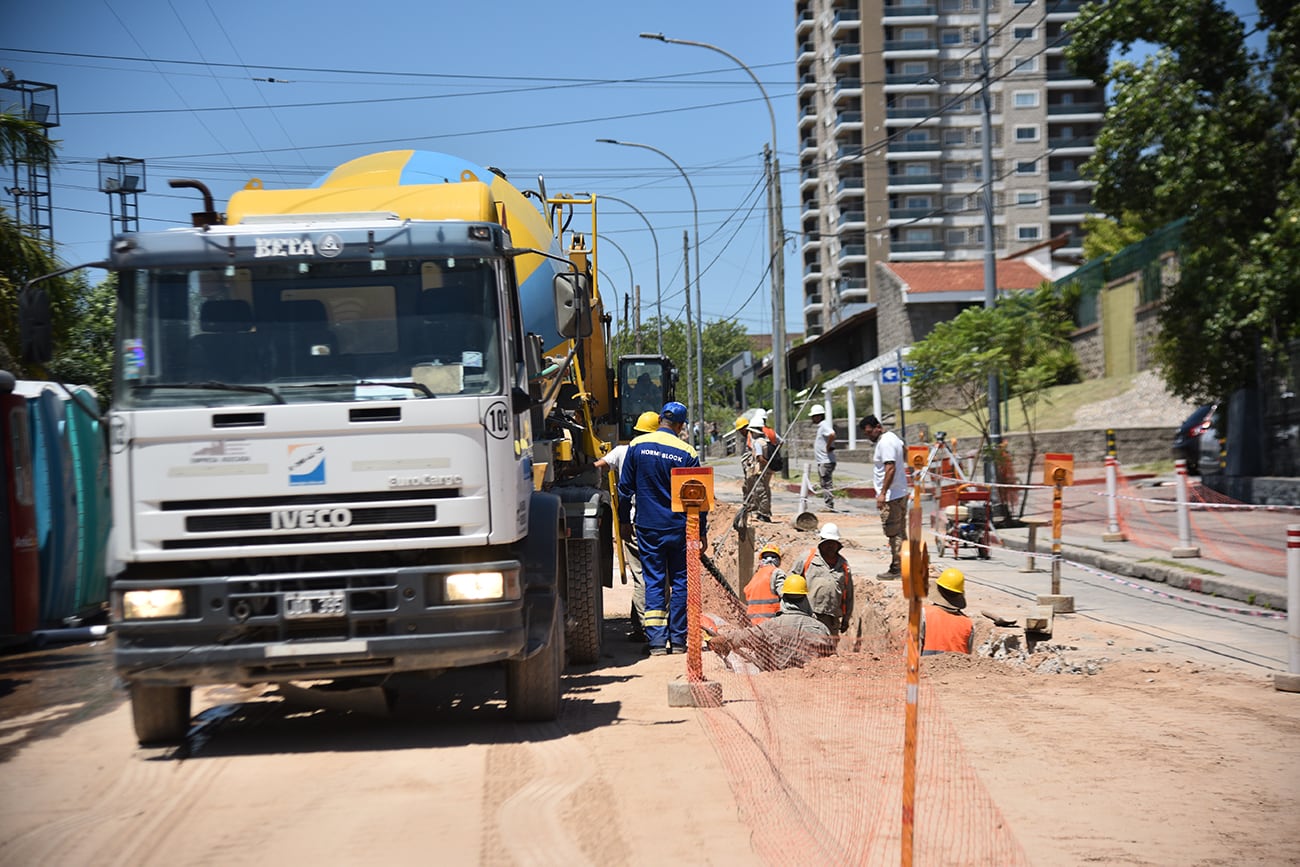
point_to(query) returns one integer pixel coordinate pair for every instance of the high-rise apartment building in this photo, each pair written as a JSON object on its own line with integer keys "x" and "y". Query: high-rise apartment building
{"x": 891, "y": 137}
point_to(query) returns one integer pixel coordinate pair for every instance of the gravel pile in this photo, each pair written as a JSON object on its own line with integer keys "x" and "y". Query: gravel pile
{"x": 1146, "y": 404}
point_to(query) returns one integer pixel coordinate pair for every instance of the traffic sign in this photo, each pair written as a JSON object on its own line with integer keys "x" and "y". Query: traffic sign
{"x": 889, "y": 374}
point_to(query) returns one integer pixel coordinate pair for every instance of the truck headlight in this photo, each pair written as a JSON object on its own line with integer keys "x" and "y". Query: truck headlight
{"x": 481, "y": 586}
{"x": 150, "y": 604}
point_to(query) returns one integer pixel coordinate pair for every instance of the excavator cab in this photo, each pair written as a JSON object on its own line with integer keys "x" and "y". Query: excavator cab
{"x": 645, "y": 382}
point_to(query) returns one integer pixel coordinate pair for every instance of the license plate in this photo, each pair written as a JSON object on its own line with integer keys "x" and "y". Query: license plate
{"x": 303, "y": 604}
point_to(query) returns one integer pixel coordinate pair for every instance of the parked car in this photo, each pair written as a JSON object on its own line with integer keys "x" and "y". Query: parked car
{"x": 1197, "y": 436}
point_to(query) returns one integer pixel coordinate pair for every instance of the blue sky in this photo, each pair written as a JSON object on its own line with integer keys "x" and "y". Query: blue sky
{"x": 526, "y": 87}
{"x": 523, "y": 86}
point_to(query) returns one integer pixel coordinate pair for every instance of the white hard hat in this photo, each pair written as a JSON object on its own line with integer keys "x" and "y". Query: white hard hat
{"x": 758, "y": 418}
{"x": 830, "y": 532}
{"x": 817, "y": 409}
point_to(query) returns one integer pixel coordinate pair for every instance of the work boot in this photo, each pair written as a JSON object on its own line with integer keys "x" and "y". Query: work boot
{"x": 658, "y": 650}
{"x": 637, "y": 636}
{"x": 889, "y": 576}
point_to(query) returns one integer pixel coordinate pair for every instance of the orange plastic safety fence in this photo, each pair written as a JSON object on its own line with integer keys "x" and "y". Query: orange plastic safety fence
{"x": 811, "y": 736}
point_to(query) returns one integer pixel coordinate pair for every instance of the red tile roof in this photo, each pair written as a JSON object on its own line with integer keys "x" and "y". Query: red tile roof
{"x": 922, "y": 277}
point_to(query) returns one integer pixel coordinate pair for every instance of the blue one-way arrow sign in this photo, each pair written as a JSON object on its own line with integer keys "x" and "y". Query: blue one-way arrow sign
{"x": 889, "y": 374}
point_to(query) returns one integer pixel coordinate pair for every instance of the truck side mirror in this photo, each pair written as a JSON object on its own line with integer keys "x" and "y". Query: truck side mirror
{"x": 35, "y": 326}
{"x": 572, "y": 304}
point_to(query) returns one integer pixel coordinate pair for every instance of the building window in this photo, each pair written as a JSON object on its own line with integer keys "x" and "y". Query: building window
{"x": 1025, "y": 99}
{"x": 916, "y": 170}
{"x": 916, "y": 102}
{"x": 916, "y": 202}
{"x": 1027, "y": 133}
{"x": 1027, "y": 167}
{"x": 915, "y": 67}
{"x": 921, "y": 235}
{"x": 954, "y": 172}
{"x": 1022, "y": 2}
{"x": 1023, "y": 33}
{"x": 1027, "y": 200}
{"x": 950, "y": 36}
{"x": 1028, "y": 233}
{"x": 954, "y": 204}
{"x": 955, "y": 237}
{"x": 914, "y": 34}
{"x": 954, "y": 137}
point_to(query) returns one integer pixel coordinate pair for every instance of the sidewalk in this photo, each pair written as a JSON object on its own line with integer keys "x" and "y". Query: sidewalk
{"x": 1081, "y": 540}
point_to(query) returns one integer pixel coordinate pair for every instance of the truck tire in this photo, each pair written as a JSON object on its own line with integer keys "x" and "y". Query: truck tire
{"x": 161, "y": 713}
{"x": 585, "y": 602}
{"x": 533, "y": 688}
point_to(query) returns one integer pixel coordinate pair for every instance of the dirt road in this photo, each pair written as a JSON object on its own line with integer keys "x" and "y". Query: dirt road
{"x": 1149, "y": 760}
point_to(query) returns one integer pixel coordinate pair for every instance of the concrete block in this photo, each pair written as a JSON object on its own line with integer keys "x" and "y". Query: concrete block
{"x": 1284, "y": 682}
{"x": 1040, "y": 620}
{"x": 1181, "y": 553}
{"x": 682, "y": 693}
{"x": 1060, "y": 604}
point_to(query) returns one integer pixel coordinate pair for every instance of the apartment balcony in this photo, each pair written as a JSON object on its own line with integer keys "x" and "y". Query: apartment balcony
{"x": 807, "y": 53}
{"x": 1090, "y": 110}
{"x": 908, "y": 148}
{"x": 849, "y": 151}
{"x": 812, "y": 278}
{"x": 914, "y": 180}
{"x": 909, "y": 10}
{"x": 1065, "y": 176}
{"x": 848, "y": 52}
{"x": 808, "y": 178}
{"x": 803, "y": 24}
{"x": 915, "y": 247}
{"x": 807, "y": 116}
{"x": 913, "y": 47}
{"x": 812, "y": 303}
{"x": 812, "y": 269}
{"x": 807, "y": 85}
{"x": 811, "y": 209}
{"x": 808, "y": 147}
{"x": 848, "y": 87}
{"x": 1056, "y": 211}
{"x": 910, "y": 80}
{"x": 1057, "y": 74}
{"x": 850, "y": 253}
{"x": 915, "y": 214}
{"x": 853, "y": 220}
{"x": 851, "y": 184}
{"x": 1064, "y": 9}
{"x": 848, "y": 120}
{"x": 845, "y": 19}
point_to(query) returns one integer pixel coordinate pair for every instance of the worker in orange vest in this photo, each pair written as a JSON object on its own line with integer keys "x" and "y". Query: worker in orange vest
{"x": 830, "y": 581}
{"x": 945, "y": 628}
{"x": 762, "y": 600}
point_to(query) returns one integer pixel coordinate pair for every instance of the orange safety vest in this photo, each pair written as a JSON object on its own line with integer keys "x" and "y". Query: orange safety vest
{"x": 945, "y": 631}
{"x": 760, "y": 602}
{"x": 848, "y": 578}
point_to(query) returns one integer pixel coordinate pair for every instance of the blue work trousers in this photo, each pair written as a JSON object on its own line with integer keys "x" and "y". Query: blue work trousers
{"x": 663, "y": 561}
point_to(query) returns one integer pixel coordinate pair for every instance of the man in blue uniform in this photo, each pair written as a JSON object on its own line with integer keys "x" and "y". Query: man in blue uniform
{"x": 660, "y": 532}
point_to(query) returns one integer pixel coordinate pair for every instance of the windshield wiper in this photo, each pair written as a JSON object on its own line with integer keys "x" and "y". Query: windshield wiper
{"x": 420, "y": 386}
{"x": 213, "y": 385}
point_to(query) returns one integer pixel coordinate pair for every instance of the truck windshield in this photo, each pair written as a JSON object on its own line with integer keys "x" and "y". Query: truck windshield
{"x": 308, "y": 331}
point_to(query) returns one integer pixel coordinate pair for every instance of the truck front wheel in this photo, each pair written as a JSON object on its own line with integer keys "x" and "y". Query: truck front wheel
{"x": 533, "y": 690}
{"x": 161, "y": 713}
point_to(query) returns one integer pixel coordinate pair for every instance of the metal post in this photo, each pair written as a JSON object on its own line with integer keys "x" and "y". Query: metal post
{"x": 1056, "y": 539}
{"x": 1185, "y": 547}
{"x": 990, "y": 264}
{"x": 1113, "y": 532}
{"x": 686, "y": 269}
{"x": 659, "y": 295}
{"x": 1290, "y": 681}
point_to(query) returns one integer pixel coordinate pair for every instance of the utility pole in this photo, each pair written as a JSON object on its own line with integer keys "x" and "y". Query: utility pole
{"x": 990, "y": 261}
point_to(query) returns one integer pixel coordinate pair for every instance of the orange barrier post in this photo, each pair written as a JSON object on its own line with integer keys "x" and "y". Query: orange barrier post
{"x": 915, "y": 568}
{"x": 692, "y": 489}
{"x": 1058, "y": 471}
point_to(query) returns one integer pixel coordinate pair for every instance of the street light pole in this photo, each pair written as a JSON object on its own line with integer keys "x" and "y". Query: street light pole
{"x": 630, "y": 275}
{"x": 777, "y": 224}
{"x": 699, "y": 303}
{"x": 659, "y": 306}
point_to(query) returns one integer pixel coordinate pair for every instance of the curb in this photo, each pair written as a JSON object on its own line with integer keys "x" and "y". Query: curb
{"x": 1183, "y": 579}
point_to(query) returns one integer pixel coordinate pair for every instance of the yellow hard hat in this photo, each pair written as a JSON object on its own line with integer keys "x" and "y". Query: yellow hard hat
{"x": 952, "y": 579}
{"x": 647, "y": 422}
{"x": 742, "y": 423}
{"x": 795, "y": 585}
{"x": 770, "y": 549}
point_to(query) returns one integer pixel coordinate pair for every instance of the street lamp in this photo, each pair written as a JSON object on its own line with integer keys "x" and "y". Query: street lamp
{"x": 699, "y": 304}
{"x": 659, "y": 306}
{"x": 631, "y": 276}
{"x": 776, "y": 229}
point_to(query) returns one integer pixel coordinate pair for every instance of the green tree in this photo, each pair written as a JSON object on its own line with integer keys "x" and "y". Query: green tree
{"x": 86, "y": 356}
{"x": 1104, "y": 236}
{"x": 1204, "y": 129}
{"x": 1024, "y": 339}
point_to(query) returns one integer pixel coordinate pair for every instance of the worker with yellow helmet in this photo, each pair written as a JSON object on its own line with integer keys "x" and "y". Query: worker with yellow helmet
{"x": 762, "y": 599}
{"x": 647, "y": 422}
{"x": 945, "y": 628}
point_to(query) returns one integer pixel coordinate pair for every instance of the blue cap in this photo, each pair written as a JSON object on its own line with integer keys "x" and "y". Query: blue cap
{"x": 673, "y": 411}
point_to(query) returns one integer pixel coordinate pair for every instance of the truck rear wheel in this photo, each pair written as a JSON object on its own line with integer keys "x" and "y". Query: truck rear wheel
{"x": 161, "y": 713}
{"x": 533, "y": 689}
{"x": 585, "y": 602}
